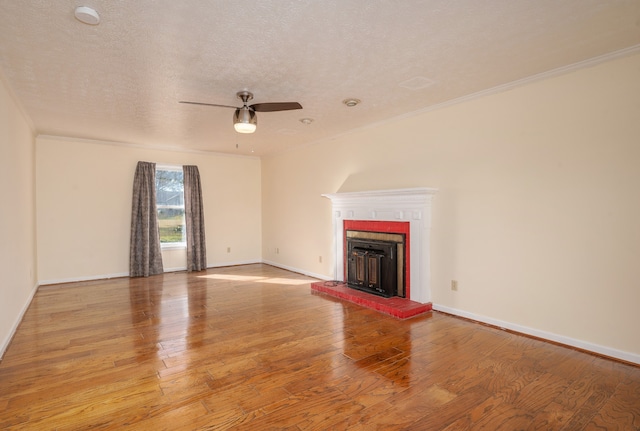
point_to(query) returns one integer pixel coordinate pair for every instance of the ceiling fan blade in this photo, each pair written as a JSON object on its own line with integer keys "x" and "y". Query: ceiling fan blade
{"x": 210, "y": 104}
{"x": 277, "y": 106}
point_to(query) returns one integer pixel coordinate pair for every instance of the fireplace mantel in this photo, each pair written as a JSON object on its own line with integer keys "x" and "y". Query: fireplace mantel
{"x": 402, "y": 205}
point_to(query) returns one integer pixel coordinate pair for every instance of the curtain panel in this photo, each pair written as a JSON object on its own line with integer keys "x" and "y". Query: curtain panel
{"x": 145, "y": 256}
{"x": 194, "y": 220}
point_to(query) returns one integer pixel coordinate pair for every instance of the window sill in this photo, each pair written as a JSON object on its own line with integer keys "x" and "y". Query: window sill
{"x": 173, "y": 246}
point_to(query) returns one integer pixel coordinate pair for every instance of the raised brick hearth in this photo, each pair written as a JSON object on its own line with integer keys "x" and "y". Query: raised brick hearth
{"x": 401, "y": 308}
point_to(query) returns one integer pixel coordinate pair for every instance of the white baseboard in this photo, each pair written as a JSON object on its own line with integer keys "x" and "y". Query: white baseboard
{"x": 177, "y": 269}
{"x": 583, "y": 345}
{"x": 236, "y": 263}
{"x": 299, "y": 271}
{"x": 85, "y": 278}
{"x": 14, "y": 328}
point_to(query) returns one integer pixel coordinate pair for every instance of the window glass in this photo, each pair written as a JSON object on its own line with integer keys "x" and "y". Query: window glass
{"x": 170, "y": 203}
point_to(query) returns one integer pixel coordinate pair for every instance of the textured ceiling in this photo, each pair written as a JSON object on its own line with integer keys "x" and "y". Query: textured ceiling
{"x": 122, "y": 79}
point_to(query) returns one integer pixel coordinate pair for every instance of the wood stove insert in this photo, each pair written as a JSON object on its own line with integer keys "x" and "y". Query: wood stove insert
{"x": 376, "y": 265}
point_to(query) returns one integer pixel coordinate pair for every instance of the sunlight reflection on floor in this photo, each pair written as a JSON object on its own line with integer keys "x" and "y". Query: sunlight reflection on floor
{"x": 291, "y": 281}
{"x": 278, "y": 280}
{"x": 232, "y": 277}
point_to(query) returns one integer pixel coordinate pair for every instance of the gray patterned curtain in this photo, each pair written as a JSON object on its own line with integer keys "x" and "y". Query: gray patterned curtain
{"x": 145, "y": 257}
{"x": 194, "y": 220}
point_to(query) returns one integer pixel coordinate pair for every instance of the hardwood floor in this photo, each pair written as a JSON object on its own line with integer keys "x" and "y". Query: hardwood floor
{"x": 252, "y": 348}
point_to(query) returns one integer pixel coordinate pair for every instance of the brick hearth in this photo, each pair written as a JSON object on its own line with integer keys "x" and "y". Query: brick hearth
{"x": 401, "y": 308}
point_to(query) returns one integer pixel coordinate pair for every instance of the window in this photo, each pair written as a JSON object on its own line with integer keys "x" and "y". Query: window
{"x": 170, "y": 204}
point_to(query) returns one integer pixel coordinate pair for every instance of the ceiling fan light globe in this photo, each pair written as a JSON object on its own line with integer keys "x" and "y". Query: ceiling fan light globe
{"x": 244, "y": 120}
{"x": 245, "y": 127}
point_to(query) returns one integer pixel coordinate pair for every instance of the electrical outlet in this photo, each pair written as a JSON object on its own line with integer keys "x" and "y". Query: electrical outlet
{"x": 454, "y": 285}
{"x": 228, "y": 249}
{"x": 320, "y": 259}
{"x": 277, "y": 250}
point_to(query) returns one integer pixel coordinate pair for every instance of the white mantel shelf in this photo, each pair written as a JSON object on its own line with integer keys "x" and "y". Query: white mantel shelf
{"x": 395, "y": 197}
{"x": 409, "y": 205}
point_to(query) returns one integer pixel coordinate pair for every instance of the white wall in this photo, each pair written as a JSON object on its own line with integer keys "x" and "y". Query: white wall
{"x": 84, "y": 191}
{"x": 537, "y": 211}
{"x": 17, "y": 215}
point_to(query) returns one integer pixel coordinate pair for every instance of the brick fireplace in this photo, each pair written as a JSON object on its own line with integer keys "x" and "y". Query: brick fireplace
{"x": 406, "y": 212}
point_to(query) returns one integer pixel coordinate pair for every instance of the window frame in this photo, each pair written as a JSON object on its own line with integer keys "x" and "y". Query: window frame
{"x": 171, "y": 245}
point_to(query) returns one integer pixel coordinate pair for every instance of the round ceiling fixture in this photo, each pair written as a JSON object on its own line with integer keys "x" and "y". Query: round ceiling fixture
{"x": 351, "y": 102}
{"x": 306, "y": 121}
{"x": 87, "y": 15}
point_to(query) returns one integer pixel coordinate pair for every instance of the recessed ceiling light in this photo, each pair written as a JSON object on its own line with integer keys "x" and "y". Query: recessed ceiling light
{"x": 351, "y": 102}
{"x": 306, "y": 121}
{"x": 87, "y": 15}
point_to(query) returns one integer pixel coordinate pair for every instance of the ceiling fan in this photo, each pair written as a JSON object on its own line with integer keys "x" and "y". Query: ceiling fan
{"x": 244, "y": 119}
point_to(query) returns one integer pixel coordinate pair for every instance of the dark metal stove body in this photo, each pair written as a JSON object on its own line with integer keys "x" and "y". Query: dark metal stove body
{"x": 372, "y": 266}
